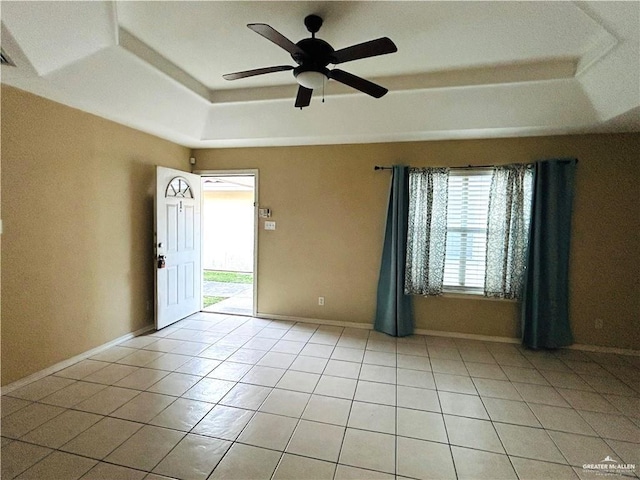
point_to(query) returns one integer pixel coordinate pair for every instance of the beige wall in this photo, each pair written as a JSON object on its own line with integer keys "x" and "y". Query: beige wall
{"x": 330, "y": 205}
{"x": 77, "y": 205}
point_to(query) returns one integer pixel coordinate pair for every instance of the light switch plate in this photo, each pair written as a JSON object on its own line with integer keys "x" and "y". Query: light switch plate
{"x": 269, "y": 225}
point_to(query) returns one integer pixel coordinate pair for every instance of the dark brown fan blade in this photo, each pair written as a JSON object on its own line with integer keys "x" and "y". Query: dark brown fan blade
{"x": 372, "y": 48}
{"x": 276, "y": 37}
{"x": 358, "y": 83}
{"x": 303, "y": 99}
{"x": 257, "y": 71}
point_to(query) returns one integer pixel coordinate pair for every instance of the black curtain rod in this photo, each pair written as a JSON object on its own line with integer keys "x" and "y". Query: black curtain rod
{"x": 378, "y": 167}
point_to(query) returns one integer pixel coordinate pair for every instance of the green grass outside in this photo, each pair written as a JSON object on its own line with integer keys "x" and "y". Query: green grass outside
{"x": 208, "y": 301}
{"x": 227, "y": 277}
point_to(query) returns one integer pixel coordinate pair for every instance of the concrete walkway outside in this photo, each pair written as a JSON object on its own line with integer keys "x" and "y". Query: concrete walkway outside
{"x": 239, "y": 301}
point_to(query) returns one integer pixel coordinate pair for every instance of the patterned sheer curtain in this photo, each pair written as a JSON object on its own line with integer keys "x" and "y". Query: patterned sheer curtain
{"x": 427, "y": 233}
{"x": 508, "y": 230}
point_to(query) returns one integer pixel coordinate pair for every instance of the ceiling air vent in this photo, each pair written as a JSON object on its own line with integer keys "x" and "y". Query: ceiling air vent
{"x": 5, "y": 60}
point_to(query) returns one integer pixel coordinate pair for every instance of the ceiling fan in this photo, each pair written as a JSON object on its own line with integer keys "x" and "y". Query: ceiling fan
{"x": 313, "y": 55}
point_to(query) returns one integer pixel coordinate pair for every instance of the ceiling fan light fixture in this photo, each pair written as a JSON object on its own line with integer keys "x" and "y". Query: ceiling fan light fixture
{"x": 311, "y": 79}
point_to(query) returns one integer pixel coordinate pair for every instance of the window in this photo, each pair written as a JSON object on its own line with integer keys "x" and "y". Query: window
{"x": 468, "y": 230}
{"x": 468, "y": 205}
{"x": 179, "y": 187}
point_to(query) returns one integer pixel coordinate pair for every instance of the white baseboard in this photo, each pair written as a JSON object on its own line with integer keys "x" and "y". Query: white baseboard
{"x": 333, "y": 323}
{"x": 466, "y": 336}
{"x": 599, "y": 349}
{"x": 70, "y": 361}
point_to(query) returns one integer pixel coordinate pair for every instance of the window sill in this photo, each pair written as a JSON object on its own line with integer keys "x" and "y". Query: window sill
{"x": 475, "y": 296}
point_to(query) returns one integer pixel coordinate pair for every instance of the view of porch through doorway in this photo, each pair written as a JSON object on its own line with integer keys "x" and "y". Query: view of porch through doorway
{"x": 228, "y": 226}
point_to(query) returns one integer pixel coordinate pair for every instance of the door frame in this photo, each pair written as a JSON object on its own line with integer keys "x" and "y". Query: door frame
{"x": 256, "y": 203}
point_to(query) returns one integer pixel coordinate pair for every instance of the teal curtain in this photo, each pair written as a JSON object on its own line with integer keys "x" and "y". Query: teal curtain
{"x": 394, "y": 314}
{"x": 545, "y": 300}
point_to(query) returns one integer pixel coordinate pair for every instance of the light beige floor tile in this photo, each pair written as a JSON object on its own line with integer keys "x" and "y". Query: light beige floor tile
{"x": 258, "y": 343}
{"x": 293, "y": 467}
{"x": 369, "y": 416}
{"x": 107, "y": 401}
{"x": 144, "y": 449}
{"x": 590, "y": 401}
{"x": 607, "y": 385}
{"x": 327, "y": 410}
{"x": 221, "y": 352}
{"x": 18, "y": 457}
{"x": 381, "y": 345}
{"x": 452, "y": 367}
{"x": 378, "y": 373}
{"x": 416, "y": 349}
{"x": 580, "y": 449}
{"x": 102, "y": 438}
{"x": 462, "y": 405}
{"x": 352, "y": 342}
{"x": 265, "y": 376}
{"x": 566, "y": 380}
{"x": 454, "y": 383}
{"x": 183, "y": 414}
{"x": 28, "y": 418}
{"x": 415, "y": 378}
{"x": 484, "y": 370}
{"x": 586, "y": 368}
{"x": 209, "y": 390}
{"x": 614, "y": 427}
{"x": 164, "y": 345}
{"x": 512, "y": 360}
{"x": 144, "y": 407}
{"x": 524, "y": 375}
{"x": 285, "y": 402}
{"x": 246, "y": 396}
{"x": 421, "y": 425}
{"x": 198, "y": 366}
{"x": 175, "y": 384}
{"x": 230, "y": 371}
{"x": 446, "y": 352}
{"x": 243, "y": 462}
{"x": 540, "y": 394}
{"x": 336, "y": 387}
{"x": 287, "y": 346}
{"x": 348, "y": 354}
{"x": 562, "y": 419}
{"x": 414, "y": 455}
{"x": 268, "y": 431}
{"x": 629, "y": 406}
{"x": 369, "y": 450}
{"x": 510, "y": 411}
{"x": 414, "y": 362}
{"x": 140, "y": 358}
{"x": 373, "y": 357}
{"x": 12, "y": 404}
{"x": 246, "y": 355}
{"x": 60, "y": 466}
{"x": 317, "y": 350}
{"x": 345, "y": 472}
{"x": 382, "y": 393}
{"x": 41, "y": 388}
{"x": 472, "y": 433}
{"x": 74, "y": 393}
{"x": 111, "y": 374}
{"x": 224, "y": 422}
{"x": 478, "y": 465}
{"x": 140, "y": 341}
{"x": 479, "y": 356}
{"x": 317, "y": 440}
{"x": 528, "y": 469}
{"x": 194, "y": 458}
{"x": 550, "y": 364}
{"x": 340, "y": 368}
{"x": 81, "y": 369}
{"x": 418, "y": 398}
{"x": 277, "y": 360}
{"x": 106, "y": 471}
{"x": 309, "y": 364}
{"x": 141, "y": 379}
{"x": 496, "y": 389}
{"x": 298, "y": 381}
{"x": 627, "y": 452}
{"x": 113, "y": 354}
{"x": 59, "y": 430}
{"x": 528, "y": 442}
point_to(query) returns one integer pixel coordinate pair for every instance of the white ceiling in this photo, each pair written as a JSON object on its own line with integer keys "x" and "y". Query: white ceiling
{"x": 462, "y": 70}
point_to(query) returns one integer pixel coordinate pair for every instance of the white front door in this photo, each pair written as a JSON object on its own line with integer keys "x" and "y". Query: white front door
{"x": 177, "y": 237}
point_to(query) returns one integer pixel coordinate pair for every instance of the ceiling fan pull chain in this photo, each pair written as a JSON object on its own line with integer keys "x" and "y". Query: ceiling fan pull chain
{"x": 324, "y": 81}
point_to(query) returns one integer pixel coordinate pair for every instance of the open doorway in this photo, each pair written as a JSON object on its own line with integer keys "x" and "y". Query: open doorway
{"x": 228, "y": 243}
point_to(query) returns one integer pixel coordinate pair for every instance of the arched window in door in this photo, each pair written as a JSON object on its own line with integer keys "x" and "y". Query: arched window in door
{"x": 179, "y": 187}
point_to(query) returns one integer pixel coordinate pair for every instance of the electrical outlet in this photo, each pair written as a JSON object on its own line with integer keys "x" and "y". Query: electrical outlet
{"x": 599, "y": 323}
{"x": 321, "y": 301}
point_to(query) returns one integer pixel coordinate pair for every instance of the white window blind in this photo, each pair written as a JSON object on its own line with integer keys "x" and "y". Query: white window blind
{"x": 468, "y": 205}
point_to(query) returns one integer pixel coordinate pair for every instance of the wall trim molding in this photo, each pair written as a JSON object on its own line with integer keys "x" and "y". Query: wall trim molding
{"x": 70, "y": 361}
{"x": 333, "y": 323}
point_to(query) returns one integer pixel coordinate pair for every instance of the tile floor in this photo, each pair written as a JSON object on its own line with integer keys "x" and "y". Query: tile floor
{"x": 223, "y": 397}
